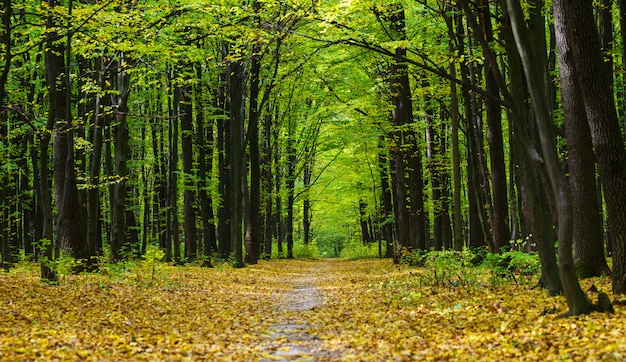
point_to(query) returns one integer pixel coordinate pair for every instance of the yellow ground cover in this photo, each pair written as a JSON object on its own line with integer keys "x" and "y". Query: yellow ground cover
{"x": 366, "y": 310}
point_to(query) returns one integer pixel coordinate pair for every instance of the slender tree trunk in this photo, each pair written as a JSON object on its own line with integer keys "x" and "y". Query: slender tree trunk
{"x": 172, "y": 239}
{"x": 500, "y": 211}
{"x": 268, "y": 184}
{"x": 253, "y": 216}
{"x": 205, "y": 140}
{"x": 537, "y": 210}
{"x": 479, "y": 235}
{"x": 386, "y": 199}
{"x": 576, "y": 299}
{"x": 457, "y": 220}
{"x": 94, "y": 235}
{"x": 224, "y": 164}
{"x": 120, "y": 247}
{"x": 189, "y": 195}
{"x": 432, "y": 156}
{"x": 365, "y": 235}
{"x": 290, "y": 185}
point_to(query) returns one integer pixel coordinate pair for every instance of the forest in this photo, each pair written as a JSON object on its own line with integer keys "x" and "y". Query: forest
{"x": 230, "y": 134}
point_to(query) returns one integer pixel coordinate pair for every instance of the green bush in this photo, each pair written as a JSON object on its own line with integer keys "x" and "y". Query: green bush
{"x": 511, "y": 263}
{"x": 356, "y": 250}
{"x": 308, "y": 251}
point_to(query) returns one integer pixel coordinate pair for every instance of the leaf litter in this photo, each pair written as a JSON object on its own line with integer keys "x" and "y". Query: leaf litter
{"x": 296, "y": 310}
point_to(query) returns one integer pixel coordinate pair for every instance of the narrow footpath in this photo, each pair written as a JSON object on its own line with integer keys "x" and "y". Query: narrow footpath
{"x": 290, "y": 339}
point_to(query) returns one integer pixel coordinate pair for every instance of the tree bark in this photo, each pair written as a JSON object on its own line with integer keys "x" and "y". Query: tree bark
{"x": 69, "y": 221}
{"x": 120, "y": 246}
{"x": 499, "y": 212}
{"x": 235, "y": 73}
{"x": 587, "y": 233}
{"x": 386, "y": 199}
{"x": 576, "y": 299}
{"x": 205, "y": 141}
{"x": 253, "y": 216}
{"x": 189, "y": 195}
{"x": 582, "y": 39}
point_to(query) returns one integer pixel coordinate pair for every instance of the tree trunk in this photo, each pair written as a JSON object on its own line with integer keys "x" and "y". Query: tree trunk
{"x": 306, "y": 203}
{"x": 205, "y": 141}
{"x": 69, "y": 221}
{"x": 576, "y": 299}
{"x": 479, "y": 231}
{"x": 94, "y": 235}
{"x": 402, "y": 114}
{"x": 189, "y": 195}
{"x": 457, "y": 220}
{"x": 235, "y": 73}
{"x": 386, "y": 199}
{"x": 253, "y": 216}
{"x": 172, "y": 238}
{"x": 224, "y": 165}
{"x": 577, "y": 22}
{"x": 120, "y": 246}
{"x": 290, "y": 185}
{"x": 365, "y": 235}
{"x": 587, "y": 233}
{"x": 500, "y": 211}
{"x": 268, "y": 184}
{"x": 432, "y": 155}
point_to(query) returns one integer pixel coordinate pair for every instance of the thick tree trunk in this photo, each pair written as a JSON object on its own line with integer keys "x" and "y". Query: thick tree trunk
{"x": 582, "y": 39}
{"x": 407, "y": 168}
{"x": 69, "y": 221}
{"x": 48, "y": 272}
{"x": 235, "y": 72}
{"x": 587, "y": 233}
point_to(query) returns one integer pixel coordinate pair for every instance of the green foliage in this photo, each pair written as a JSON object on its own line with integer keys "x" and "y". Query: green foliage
{"x": 513, "y": 263}
{"x": 150, "y": 263}
{"x": 356, "y": 250}
{"x": 308, "y": 251}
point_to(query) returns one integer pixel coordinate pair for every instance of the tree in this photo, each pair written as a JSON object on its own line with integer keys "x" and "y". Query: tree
{"x": 576, "y": 299}
{"x": 69, "y": 221}
{"x": 580, "y": 35}
{"x": 587, "y": 232}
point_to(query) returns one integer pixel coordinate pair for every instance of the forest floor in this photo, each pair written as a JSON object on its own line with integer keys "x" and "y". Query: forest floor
{"x": 296, "y": 310}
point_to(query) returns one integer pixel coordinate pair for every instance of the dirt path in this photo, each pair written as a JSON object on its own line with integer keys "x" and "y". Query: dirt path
{"x": 290, "y": 339}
